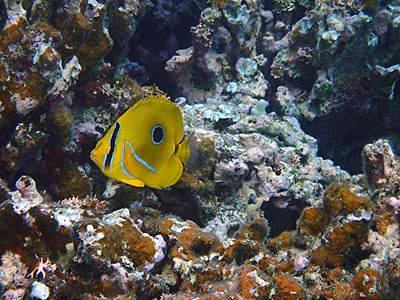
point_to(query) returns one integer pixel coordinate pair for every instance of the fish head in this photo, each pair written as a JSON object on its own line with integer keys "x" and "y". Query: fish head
{"x": 97, "y": 155}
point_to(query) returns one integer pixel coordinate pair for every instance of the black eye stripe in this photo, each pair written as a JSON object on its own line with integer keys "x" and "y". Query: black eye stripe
{"x": 157, "y": 134}
{"x": 113, "y": 142}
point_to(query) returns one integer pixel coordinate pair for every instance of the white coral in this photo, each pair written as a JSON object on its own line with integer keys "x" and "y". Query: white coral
{"x": 26, "y": 195}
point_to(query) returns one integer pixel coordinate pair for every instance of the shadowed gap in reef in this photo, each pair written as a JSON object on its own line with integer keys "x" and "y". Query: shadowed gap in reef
{"x": 159, "y": 34}
{"x": 342, "y": 135}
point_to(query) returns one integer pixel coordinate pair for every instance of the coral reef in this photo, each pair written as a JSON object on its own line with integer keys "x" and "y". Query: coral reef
{"x": 328, "y": 67}
{"x": 138, "y": 253}
{"x": 333, "y": 61}
{"x": 47, "y": 48}
{"x": 213, "y": 66}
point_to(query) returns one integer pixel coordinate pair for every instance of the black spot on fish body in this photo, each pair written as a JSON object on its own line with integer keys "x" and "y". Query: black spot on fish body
{"x": 157, "y": 134}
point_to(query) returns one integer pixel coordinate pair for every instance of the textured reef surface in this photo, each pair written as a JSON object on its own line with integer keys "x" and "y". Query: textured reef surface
{"x": 292, "y": 190}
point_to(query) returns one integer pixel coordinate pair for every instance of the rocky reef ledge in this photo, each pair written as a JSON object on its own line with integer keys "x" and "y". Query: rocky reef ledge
{"x": 345, "y": 246}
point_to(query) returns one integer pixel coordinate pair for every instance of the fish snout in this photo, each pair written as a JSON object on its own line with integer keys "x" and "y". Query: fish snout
{"x": 93, "y": 155}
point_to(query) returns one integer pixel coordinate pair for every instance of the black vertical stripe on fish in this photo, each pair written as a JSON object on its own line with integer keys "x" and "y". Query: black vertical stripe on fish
{"x": 113, "y": 142}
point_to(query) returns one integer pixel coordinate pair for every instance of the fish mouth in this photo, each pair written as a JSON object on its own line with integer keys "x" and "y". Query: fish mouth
{"x": 93, "y": 155}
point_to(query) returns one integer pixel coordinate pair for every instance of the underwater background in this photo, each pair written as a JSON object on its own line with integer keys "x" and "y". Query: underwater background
{"x": 292, "y": 190}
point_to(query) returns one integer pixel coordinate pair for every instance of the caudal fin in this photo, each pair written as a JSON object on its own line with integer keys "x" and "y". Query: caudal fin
{"x": 184, "y": 149}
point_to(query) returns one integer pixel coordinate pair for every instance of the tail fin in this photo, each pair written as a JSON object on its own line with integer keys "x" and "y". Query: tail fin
{"x": 184, "y": 149}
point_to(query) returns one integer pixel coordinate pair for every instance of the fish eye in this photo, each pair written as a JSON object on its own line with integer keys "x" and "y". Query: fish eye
{"x": 157, "y": 134}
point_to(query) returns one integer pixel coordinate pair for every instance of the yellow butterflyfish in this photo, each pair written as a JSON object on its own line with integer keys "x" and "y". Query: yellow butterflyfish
{"x": 145, "y": 146}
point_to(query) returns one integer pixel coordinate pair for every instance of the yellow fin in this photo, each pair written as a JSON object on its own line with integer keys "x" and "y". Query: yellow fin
{"x": 184, "y": 150}
{"x": 169, "y": 176}
{"x": 159, "y": 179}
{"x": 134, "y": 182}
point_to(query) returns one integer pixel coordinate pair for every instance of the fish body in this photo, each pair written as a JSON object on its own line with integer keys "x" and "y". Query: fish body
{"x": 145, "y": 146}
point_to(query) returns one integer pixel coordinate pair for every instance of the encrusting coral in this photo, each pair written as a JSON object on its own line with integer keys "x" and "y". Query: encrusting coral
{"x": 137, "y": 251}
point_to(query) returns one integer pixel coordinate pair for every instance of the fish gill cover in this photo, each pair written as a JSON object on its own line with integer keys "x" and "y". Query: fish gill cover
{"x": 294, "y": 192}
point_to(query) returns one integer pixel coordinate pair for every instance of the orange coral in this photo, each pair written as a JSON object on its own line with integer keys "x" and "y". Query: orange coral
{"x": 11, "y": 35}
{"x": 237, "y": 250}
{"x": 265, "y": 263}
{"x": 326, "y": 258}
{"x": 313, "y": 221}
{"x": 283, "y": 241}
{"x": 368, "y": 284}
{"x": 94, "y": 47}
{"x": 192, "y": 241}
{"x": 252, "y": 284}
{"x": 285, "y": 267}
{"x": 341, "y": 240}
{"x": 333, "y": 200}
{"x": 288, "y": 289}
{"x": 344, "y": 236}
{"x": 337, "y": 291}
{"x": 256, "y": 230}
{"x": 338, "y": 200}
